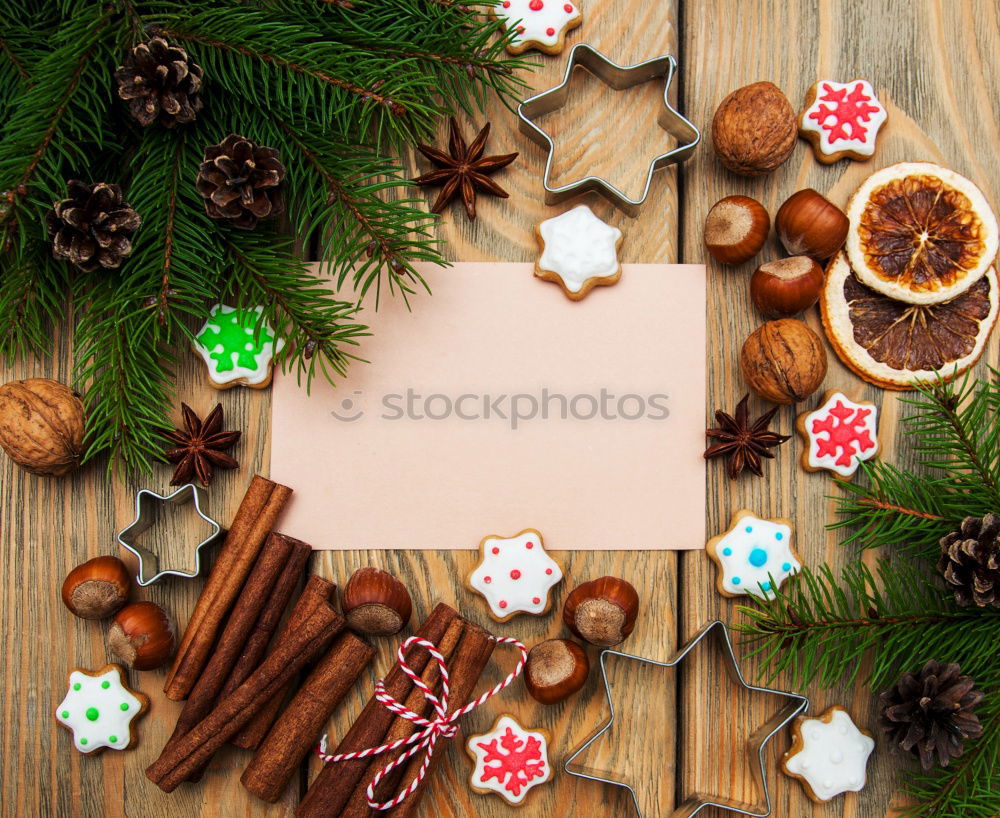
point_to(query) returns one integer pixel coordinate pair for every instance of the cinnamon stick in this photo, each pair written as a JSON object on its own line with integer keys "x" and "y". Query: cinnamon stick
{"x": 312, "y": 625}
{"x": 402, "y": 728}
{"x": 254, "y": 519}
{"x": 467, "y": 666}
{"x": 298, "y": 729}
{"x": 334, "y": 785}
{"x": 267, "y": 623}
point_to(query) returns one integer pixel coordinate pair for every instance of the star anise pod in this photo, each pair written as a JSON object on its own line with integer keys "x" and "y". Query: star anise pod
{"x": 200, "y": 447}
{"x": 743, "y": 442}
{"x": 463, "y": 170}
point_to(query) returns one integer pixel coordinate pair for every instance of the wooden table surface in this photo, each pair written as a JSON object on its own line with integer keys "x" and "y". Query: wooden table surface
{"x": 934, "y": 65}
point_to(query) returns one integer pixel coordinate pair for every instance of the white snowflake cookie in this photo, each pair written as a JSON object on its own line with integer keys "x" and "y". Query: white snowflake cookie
{"x": 515, "y": 575}
{"x": 829, "y": 754}
{"x": 539, "y": 24}
{"x": 842, "y": 120}
{"x": 579, "y": 251}
{"x": 753, "y": 553}
{"x": 839, "y": 435}
{"x": 509, "y": 760}
{"x": 237, "y": 352}
{"x": 101, "y": 710}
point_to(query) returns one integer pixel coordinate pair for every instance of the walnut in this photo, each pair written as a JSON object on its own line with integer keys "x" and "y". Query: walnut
{"x": 41, "y": 425}
{"x": 783, "y": 361}
{"x": 754, "y": 129}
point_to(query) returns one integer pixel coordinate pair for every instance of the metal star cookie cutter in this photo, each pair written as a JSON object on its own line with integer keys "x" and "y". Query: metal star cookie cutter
{"x": 147, "y": 505}
{"x": 756, "y": 742}
{"x": 619, "y": 78}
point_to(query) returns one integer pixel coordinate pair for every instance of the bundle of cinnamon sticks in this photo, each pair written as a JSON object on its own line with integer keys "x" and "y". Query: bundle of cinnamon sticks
{"x": 340, "y": 788}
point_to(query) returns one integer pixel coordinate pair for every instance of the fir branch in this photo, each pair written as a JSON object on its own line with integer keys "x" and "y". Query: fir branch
{"x": 825, "y": 627}
{"x": 31, "y": 291}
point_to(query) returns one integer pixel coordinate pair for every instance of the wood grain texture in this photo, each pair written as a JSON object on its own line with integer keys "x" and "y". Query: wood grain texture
{"x": 942, "y": 94}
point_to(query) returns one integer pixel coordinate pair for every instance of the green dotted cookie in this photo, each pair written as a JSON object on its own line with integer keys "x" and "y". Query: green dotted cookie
{"x": 235, "y": 352}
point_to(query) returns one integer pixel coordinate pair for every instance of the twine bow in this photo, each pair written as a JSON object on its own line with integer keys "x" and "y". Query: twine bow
{"x": 440, "y": 725}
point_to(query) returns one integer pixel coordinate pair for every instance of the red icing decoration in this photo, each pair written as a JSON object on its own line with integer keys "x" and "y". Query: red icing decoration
{"x": 496, "y": 550}
{"x": 568, "y": 8}
{"x": 515, "y": 574}
{"x": 550, "y": 31}
{"x": 548, "y": 572}
{"x": 535, "y": 600}
{"x": 536, "y": 5}
{"x": 503, "y": 604}
{"x": 518, "y": 761}
{"x": 487, "y": 580}
{"x": 845, "y": 433}
{"x": 848, "y": 111}
{"x": 529, "y": 545}
{"x": 506, "y": 4}
{"x": 520, "y": 29}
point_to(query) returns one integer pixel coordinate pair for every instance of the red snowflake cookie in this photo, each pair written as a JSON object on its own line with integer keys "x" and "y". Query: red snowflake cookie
{"x": 515, "y": 575}
{"x": 509, "y": 760}
{"x": 842, "y": 119}
{"x": 839, "y": 434}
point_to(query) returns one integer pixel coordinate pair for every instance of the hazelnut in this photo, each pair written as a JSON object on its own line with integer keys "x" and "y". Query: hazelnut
{"x": 785, "y": 287}
{"x": 754, "y": 129}
{"x": 783, "y": 361}
{"x": 96, "y": 588}
{"x": 809, "y": 224}
{"x": 376, "y": 603}
{"x": 602, "y": 611}
{"x": 735, "y": 229}
{"x": 143, "y": 636}
{"x": 41, "y": 426}
{"x": 555, "y": 670}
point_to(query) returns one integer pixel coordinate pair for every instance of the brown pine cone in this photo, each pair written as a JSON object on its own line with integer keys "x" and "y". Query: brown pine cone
{"x": 159, "y": 81}
{"x": 930, "y": 714}
{"x": 241, "y": 182}
{"x": 970, "y": 561}
{"x": 93, "y": 227}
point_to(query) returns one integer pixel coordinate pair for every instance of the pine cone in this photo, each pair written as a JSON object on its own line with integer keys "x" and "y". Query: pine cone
{"x": 930, "y": 713}
{"x": 970, "y": 561}
{"x": 159, "y": 80}
{"x": 241, "y": 182}
{"x": 93, "y": 227}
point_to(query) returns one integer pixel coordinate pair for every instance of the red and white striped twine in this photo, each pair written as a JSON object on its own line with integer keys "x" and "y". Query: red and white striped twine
{"x": 440, "y": 725}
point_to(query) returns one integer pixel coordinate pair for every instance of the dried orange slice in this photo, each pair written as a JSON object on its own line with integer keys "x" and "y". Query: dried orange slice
{"x": 920, "y": 233}
{"x": 896, "y": 345}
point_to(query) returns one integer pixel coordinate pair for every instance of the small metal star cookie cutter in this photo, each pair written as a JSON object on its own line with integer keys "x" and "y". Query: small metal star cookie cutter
{"x": 147, "y": 505}
{"x": 694, "y": 804}
{"x": 619, "y": 78}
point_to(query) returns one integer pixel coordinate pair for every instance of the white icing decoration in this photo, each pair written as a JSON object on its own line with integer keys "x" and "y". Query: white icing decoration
{"x": 535, "y": 19}
{"x": 496, "y": 784}
{"x": 91, "y": 734}
{"x": 514, "y": 577}
{"x": 750, "y": 551}
{"x": 833, "y": 757}
{"x": 861, "y": 145}
{"x": 579, "y": 246}
{"x": 820, "y": 439}
{"x": 263, "y": 360}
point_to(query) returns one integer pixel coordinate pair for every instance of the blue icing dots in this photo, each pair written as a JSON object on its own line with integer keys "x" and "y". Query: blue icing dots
{"x": 749, "y": 555}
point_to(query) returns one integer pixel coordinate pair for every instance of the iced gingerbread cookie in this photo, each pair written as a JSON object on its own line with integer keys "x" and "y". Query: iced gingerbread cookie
{"x": 509, "y": 760}
{"x": 515, "y": 575}
{"x": 839, "y": 434}
{"x": 101, "y": 710}
{"x": 539, "y": 24}
{"x": 752, "y": 553}
{"x": 828, "y": 755}
{"x": 579, "y": 251}
{"x": 235, "y": 352}
{"x": 842, "y": 120}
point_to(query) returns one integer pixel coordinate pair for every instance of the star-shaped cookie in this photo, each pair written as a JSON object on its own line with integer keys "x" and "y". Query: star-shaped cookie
{"x": 579, "y": 251}
{"x": 752, "y": 554}
{"x": 509, "y": 760}
{"x": 515, "y": 575}
{"x": 101, "y": 710}
{"x": 829, "y": 754}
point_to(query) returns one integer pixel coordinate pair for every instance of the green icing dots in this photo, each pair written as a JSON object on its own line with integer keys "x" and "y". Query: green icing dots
{"x": 113, "y": 739}
{"x": 105, "y": 684}
{"x": 92, "y": 714}
{"x": 235, "y": 332}
{"x": 76, "y": 685}
{"x": 124, "y": 705}
{"x": 83, "y": 741}
{"x": 65, "y": 714}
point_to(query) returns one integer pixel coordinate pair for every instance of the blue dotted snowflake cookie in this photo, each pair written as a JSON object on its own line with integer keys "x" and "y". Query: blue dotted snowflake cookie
{"x": 753, "y": 554}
